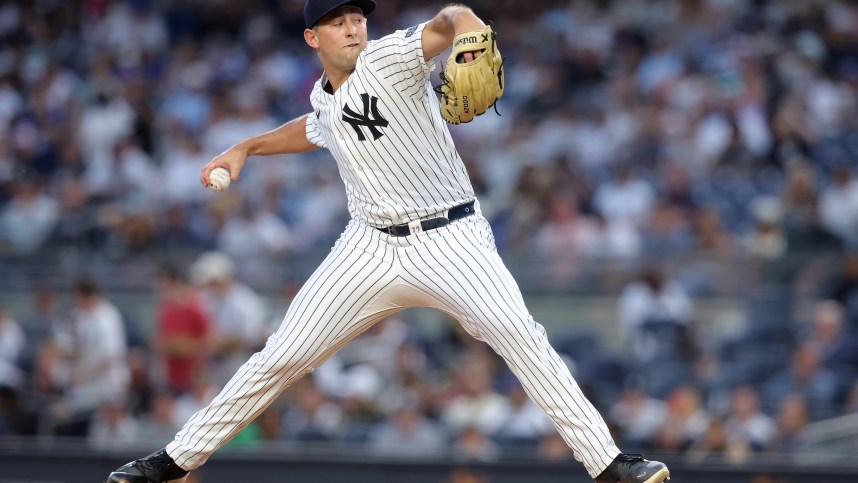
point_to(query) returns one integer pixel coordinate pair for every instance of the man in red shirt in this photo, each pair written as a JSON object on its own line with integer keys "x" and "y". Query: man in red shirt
{"x": 183, "y": 335}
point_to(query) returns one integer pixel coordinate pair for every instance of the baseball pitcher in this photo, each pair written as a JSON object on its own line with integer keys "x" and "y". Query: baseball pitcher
{"x": 416, "y": 236}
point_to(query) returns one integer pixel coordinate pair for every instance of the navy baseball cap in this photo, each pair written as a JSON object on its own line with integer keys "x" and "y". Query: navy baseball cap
{"x": 314, "y": 10}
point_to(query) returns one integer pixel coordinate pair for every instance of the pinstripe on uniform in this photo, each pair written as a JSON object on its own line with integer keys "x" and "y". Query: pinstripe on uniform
{"x": 410, "y": 171}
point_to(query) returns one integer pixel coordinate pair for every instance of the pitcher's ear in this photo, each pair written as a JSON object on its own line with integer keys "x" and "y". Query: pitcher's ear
{"x": 310, "y": 38}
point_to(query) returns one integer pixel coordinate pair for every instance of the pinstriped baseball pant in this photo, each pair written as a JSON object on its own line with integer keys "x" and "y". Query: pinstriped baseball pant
{"x": 369, "y": 276}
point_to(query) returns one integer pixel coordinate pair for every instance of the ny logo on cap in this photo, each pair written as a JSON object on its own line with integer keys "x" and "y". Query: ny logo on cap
{"x": 370, "y": 118}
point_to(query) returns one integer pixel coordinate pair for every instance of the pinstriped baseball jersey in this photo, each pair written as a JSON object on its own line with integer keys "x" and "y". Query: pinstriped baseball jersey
{"x": 384, "y": 128}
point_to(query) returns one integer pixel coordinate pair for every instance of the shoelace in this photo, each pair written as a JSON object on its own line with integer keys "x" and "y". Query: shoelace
{"x": 151, "y": 465}
{"x": 630, "y": 459}
{"x": 147, "y": 465}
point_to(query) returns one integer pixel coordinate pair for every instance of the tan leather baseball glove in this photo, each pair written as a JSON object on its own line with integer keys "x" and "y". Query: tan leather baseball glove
{"x": 469, "y": 89}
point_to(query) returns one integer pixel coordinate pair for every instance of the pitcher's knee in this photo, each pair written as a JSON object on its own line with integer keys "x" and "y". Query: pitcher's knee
{"x": 284, "y": 358}
{"x": 514, "y": 328}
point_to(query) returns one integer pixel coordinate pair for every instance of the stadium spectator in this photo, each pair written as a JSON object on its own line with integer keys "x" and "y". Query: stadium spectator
{"x": 792, "y": 417}
{"x": 13, "y": 343}
{"x": 476, "y": 405}
{"x": 356, "y": 375}
{"x": 710, "y": 237}
{"x": 667, "y": 229}
{"x": 835, "y": 344}
{"x": 746, "y": 424}
{"x": 238, "y": 313}
{"x": 176, "y": 233}
{"x": 552, "y": 447}
{"x": 105, "y": 121}
{"x": 313, "y": 416}
{"x": 801, "y": 207}
{"x": 29, "y": 218}
{"x": 201, "y": 393}
{"x": 408, "y": 433}
{"x": 526, "y": 424}
{"x": 526, "y": 207}
{"x": 157, "y": 424}
{"x": 843, "y": 287}
{"x": 638, "y": 416}
{"x": 183, "y": 338}
{"x": 565, "y": 237}
{"x": 767, "y": 239}
{"x": 838, "y": 206}
{"x": 319, "y": 212}
{"x": 712, "y": 445}
{"x": 91, "y": 366}
{"x": 181, "y": 160}
{"x": 270, "y": 424}
{"x": 37, "y": 325}
{"x": 626, "y": 197}
{"x": 244, "y": 115}
{"x": 804, "y": 376}
{"x": 686, "y": 420}
{"x": 113, "y": 427}
{"x": 616, "y": 241}
{"x": 251, "y": 235}
{"x": 651, "y": 299}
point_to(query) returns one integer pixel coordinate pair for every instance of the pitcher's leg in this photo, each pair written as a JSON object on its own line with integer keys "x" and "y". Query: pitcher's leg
{"x": 472, "y": 282}
{"x": 342, "y": 299}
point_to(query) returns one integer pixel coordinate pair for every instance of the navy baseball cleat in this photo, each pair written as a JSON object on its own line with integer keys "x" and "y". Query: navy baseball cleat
{"x": 633, "y": 468}
{"x": 158, "y": 467}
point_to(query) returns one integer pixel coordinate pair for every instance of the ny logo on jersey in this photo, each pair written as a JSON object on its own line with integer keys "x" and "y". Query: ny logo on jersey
{"x": 370, "y": 118}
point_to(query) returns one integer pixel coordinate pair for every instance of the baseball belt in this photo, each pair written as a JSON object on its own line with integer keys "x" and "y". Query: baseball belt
{"x": 417, "y": 226}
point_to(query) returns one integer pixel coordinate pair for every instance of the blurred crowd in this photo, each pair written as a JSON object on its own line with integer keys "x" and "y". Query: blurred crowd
{"x": 629, "y": 131}
{"x": 84, "y": 369}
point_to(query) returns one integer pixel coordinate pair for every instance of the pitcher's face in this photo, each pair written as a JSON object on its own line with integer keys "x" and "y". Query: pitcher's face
{"x": 339, "y": 37}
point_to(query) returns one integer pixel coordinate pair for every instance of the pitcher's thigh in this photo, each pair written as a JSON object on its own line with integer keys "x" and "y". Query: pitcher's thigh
{"x": 343, "y": 297}
{"x": 472, "y": 283}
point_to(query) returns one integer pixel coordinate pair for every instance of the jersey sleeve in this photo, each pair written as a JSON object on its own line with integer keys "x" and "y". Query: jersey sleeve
{"x": 398, "y": 59}
{"x": 314, "y": 131}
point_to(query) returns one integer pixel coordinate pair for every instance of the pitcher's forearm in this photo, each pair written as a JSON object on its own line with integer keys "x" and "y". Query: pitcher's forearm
{"x": 290, "y": 138}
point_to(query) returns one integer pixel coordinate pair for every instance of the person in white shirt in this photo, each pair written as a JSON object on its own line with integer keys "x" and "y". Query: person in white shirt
{"x": 746, "y": 423}
{"x": 625, "y": 198}
{"x": 838, "y": 206}
{"x": 239, "y": 313}
{"x": 12, "y": 345}
{"x": 97, "y": 358}
{"x": 652, "y": 297}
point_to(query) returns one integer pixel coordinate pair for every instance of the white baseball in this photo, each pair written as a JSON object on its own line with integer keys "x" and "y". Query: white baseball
{"x": 219, "y": 179}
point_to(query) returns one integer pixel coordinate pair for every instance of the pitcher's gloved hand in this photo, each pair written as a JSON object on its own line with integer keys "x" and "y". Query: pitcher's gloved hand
{"x": 470, "y": 88}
